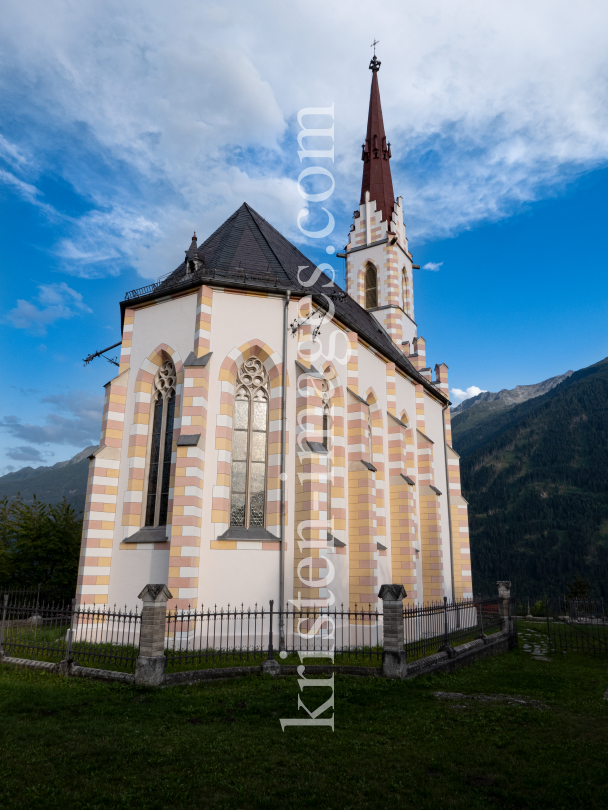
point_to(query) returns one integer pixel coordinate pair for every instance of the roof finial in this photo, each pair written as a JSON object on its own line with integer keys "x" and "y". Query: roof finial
{"x": 375, "y": 63}
{"x": 193, "y": 247}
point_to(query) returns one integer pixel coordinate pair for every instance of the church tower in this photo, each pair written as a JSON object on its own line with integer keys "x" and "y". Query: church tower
{"x": 378, "y": 263}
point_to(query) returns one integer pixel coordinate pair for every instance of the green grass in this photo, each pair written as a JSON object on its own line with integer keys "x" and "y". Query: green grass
{"x": 84, "y": 744}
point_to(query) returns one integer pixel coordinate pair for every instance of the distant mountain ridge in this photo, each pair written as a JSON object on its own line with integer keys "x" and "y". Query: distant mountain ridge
{"x": 536, "y": 479}
{"x": 512, "y": 396}
{"x": 51, "y": 484}
{"x": 476, "y": 420}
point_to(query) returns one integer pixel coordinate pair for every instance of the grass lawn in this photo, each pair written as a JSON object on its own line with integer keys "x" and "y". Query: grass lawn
{"x": 83, "y": 744}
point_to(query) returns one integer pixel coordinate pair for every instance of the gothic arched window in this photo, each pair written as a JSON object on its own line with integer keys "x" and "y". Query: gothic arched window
{"x": 371, "y": 287}
{"x": 161, "y": 440}
{"x": 249, "y": 446}
{"x": 325, "y": 396}
{"x": 370, "y": 436}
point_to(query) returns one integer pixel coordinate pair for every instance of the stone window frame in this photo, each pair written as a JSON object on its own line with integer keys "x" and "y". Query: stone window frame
{"x": 246, "y": 384}
{"x": 165, "y": 387}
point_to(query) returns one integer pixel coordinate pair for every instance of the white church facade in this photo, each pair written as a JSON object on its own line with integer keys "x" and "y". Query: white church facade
{"x": 255, "y": 447}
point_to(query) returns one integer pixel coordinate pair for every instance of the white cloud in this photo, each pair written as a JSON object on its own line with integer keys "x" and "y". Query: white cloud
{"x": 172, "y": 124}
{"x": 53, "y": 302}
{"x": 11, "y": 153}
{"x": 25, "y": 190}
{"x": 434, "y": 266}
{"x": 75, "y": 419}
{"x": 458, "y": 395}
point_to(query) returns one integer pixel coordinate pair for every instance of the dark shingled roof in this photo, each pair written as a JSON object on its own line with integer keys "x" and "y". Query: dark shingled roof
{"x": 248, "y": 252}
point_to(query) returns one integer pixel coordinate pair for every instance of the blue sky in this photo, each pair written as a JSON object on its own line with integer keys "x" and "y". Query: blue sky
{"x": 124, "y": 128}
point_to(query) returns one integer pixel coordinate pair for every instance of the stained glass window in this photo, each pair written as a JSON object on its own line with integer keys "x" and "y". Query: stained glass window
{"x": 161, "y": 441}
{"x": 371, "y": 287}
{"x": 249, "y": 446}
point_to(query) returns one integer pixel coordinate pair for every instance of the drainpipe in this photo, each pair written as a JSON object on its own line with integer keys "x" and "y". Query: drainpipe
{"x": 283, "y": 475}
{"x": 447, "y": 480}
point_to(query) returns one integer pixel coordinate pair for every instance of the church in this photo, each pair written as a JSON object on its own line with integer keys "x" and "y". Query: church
{"x": 271, "y": 436}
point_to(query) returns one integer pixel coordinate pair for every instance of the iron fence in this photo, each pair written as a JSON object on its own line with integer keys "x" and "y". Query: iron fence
{"x": 86, "y": 635}
{"x": 576, "y": 625}
{"x": 353, "y": 636}
{"x": 109, "y": 638}
{"x": 453, "y": 622}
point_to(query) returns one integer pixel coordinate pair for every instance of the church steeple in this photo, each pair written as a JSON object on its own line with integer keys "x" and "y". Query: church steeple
{"x": 376, "y": 153}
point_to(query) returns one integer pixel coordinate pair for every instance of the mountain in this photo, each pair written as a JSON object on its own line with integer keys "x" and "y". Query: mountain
{"x": 470, "y": 425}
{"x": 50, "y": 484}
{"x": 512, "y": 396}
{"x": 536, "y": 479}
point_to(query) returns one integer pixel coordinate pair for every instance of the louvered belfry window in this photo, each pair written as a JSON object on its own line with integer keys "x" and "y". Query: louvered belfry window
{"x": 249, "y": 446}
{"x": 371, "y": 287}
{"x": 161, "y": 440}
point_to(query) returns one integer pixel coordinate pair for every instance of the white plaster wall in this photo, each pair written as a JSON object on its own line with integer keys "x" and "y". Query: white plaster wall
{"x": 406, "y": 398}
{"x": 410, "y": 330}
{"x": 133, "y": 569}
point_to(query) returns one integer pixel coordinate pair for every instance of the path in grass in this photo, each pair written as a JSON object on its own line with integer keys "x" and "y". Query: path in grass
{"x": 69, "y": 742}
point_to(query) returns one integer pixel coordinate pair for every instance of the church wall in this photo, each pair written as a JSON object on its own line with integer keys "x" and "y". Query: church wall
{"x": 434, "y": 429}
{"x": 172, "y": 323}
{"x": 241, "y": 571}
{"x": 248, "y": 572}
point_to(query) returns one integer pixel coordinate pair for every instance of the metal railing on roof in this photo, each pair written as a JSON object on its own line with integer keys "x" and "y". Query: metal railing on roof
{"x": 235, "y": 274}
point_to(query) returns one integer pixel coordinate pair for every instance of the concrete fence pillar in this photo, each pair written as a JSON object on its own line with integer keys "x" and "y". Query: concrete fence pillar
{"x": 151, "y": 662}
{"x": 394, "y": 664}
{"x": 504, "y": 609}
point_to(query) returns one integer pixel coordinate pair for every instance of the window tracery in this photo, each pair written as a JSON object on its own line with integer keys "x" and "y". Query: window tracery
{"x": 249, "y": 446}
{"x": 161, "y": 440}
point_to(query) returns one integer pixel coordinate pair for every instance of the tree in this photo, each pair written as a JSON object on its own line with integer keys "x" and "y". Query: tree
{"x": 5, "y": 533}
{"x": 579, "y": 589}
{"x": 39, "y": 544}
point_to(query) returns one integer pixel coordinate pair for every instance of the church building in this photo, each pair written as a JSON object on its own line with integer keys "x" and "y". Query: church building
{"x": 271, "y": 436}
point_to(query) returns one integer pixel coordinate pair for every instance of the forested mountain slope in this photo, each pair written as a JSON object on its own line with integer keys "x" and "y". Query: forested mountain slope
{"x": 536, "y": 478}
{"x": 50, "y": 484}
{"x": 476, "y": 420}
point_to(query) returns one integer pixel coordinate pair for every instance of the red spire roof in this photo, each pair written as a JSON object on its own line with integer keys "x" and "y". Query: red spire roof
{"x": 376, "y": 153}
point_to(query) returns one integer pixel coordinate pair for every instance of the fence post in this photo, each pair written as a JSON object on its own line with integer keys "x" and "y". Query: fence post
{"x": 504, "y": 610}
{"x": 482, "y": 635}
{"x": 64, "y": 667}
{"x": 270, "y": 666}
{"x": 446, "y": 647}
{"x": 394, "y": 663}
{"x": 151, "y": 662}
{"x": 4, "y": 609}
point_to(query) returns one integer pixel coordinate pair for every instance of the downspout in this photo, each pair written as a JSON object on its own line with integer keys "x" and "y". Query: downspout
{"x": 283, "y": 476}
{"x": 447, "y": 481}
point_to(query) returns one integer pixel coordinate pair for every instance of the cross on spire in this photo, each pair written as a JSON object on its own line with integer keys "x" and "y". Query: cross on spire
{"x": 375, "y": 63}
